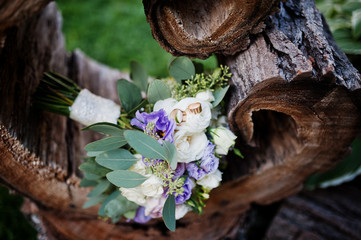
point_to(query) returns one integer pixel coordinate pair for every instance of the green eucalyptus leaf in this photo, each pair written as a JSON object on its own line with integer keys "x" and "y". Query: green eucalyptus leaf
{"x": 94, "y": 201}
{"x": 106, "y": 144}
{"x": 356, "y": 23}
{"x": 219, "y": 95}
{"x": 126, "y": 179}
{"x": 129, "y": 94}
{"x": 169, "y": 213}
{"x": 118, "y": 159}
{"x": 87, "y": 183}
{"x": 100, "y": 188}
{"x": 91, "y": 177}
{"x": 110, "y": 197}
{"x": 138, "y": 75}
{"x": 142, "y": 104}
{"x": 158, "y": 90}
{"x": 181, "y": 68}
{"x": 130, "y": 214}
{"x": 93, "y": 154}
{"x": 117, "y": 207}
{"x": 145, "y": 144}
{"x": 171, "y": 153}
{"x": 106, "y": 128}
{"x": 93, "y": 168}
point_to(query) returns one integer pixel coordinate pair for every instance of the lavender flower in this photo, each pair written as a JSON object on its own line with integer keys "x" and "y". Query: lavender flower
{"x": 208, "y": 163}
{"x": 155, "y": 124}
{"x": 140, "y": 216}
{"x": 179, "y": 171}
{"x": 181, "y": 198}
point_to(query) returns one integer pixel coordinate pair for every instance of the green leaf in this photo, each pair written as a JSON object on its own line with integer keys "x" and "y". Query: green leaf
{"x": 219, "y": 95}
{"x": 112, "y": 196}
{"x": 106, "y": 128}
{"x": 143, "y": 103}
{"x": 118, "y": 159}
{"x": 158, "y": 90}
{"x": 129, "y": 94}
{"x": 237, "y": 152}
{"x": 169, "y": 213}
{"x": 356, "y": 23}
{"x": 346, "y": 170}
{"x": 126, "y": 179}
{"x": 171, "y": 153}
{"x": 106, "y": 144}
{"x": 100, "y": 188}
{"x": 94, "y": 201}
{"x": 145, "y": 144}
{"x": 92, "y": 177}
{"x": 92, "y": 167}
{"x": 93, "y": 154}
{"x": 87, "y": 183}
{"x": 344, "y": 39}
{"x": 138, "y": 75}
{"x": 181, "y": 68}
{"x": 117, "y": 207}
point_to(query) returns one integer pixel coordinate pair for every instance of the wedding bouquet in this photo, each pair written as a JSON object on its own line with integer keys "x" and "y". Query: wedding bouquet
{"x": 161, "y": 151}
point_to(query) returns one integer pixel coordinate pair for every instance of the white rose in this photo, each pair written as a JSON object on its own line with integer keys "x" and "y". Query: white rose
{"x": 154, "y": 207}
{"x": 139, "y": 166}
{"x": 166, "y": 105}
{"x": 134, "y": 194}
{"x": 194, "y": 122}
{"x": 181, "y": 210}
{"x": 223, "y": 138}
{"x": 189, "y": 147}
{"x": 205, "y": 96}
{"x": 152, "y": 187}
{"x": 211, "y": 181}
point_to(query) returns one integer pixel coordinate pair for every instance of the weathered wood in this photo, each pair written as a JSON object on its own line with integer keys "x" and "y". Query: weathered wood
{"x": 199, "y": 28}
{"x": 16, "y": 11}
{"x": 292, "y": 104}
{"x": 332, "y": 213}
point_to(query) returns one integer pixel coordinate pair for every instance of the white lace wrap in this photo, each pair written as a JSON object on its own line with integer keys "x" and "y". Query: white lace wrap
{"x": 89, "y": 109}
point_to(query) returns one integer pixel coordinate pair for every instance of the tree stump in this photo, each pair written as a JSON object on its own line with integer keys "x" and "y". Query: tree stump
{"x": 294, "y": 103}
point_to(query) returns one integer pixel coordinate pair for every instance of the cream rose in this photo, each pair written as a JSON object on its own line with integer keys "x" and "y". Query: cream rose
{"x": 134, "y": 194}
{"x": 223, "y": 138}
{"x": 166, "y": 105}
{"x": 154, "y": 207}
{"x": 189, "y": 147}
{"x": 181, "y": 210}
{"x": 152, "y": 187}
{"x": 194, "y": 122}
{"x": 205, "y": 96}
{"x": 211, "y": 181}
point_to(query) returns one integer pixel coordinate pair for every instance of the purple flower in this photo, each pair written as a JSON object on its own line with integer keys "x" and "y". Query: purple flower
{"x": 179, "y": 171}
{"x": 140, "y": 217}
{"x": 208, "y": 163}
{"x": 155, "y": 123}
{"x": 181, "y": 198}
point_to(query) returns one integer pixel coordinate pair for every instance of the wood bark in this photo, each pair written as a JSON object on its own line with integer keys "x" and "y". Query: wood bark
{"x": 332, "y": 213}
{"x": 199, "y": 28}
{"x": 294, "y": 103}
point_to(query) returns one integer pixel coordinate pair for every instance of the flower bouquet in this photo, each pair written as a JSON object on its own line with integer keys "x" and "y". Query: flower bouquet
{"x": 161, "y": 151}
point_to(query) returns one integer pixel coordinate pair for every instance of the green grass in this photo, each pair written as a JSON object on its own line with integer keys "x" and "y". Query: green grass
{"x": 13, "y": 225}
{"x": 114, "y": 32}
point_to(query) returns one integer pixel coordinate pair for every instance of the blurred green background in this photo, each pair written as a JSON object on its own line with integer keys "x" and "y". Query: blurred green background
{"x": 115, "y": 32}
